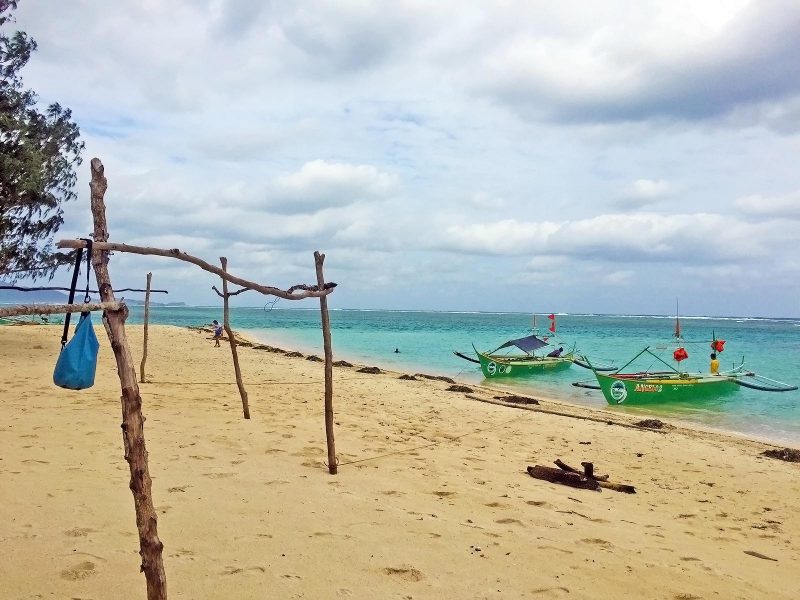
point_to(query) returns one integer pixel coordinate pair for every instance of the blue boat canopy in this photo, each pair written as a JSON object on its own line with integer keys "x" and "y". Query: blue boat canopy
{"x": 526, "y": 344}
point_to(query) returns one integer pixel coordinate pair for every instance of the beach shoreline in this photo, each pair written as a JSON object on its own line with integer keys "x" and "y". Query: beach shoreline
{"x": 781, "y": 439}
{"x": 432, "y": 499}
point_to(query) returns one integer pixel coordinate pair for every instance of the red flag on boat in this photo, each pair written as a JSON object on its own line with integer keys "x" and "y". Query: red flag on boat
{"x": 718, "y": 345}
{"x": 552, "y": 318}
{"x": 680, "y": 354}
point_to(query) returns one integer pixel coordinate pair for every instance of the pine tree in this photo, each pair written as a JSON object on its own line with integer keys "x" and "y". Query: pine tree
{"x": 39, "y": 152}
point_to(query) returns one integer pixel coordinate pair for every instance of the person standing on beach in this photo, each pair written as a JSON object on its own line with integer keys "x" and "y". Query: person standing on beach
{"x": 714, "y": 364}
{"x": 217, "y": 333}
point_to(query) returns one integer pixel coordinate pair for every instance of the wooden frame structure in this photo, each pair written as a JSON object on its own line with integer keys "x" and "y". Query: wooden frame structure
{"x": 225, "y": 294}
{"x": 114, "y": 316}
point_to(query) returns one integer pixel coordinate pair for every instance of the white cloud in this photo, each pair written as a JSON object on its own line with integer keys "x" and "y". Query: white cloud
{"x": 619, "y": 277}
{"x": 625, "y": 238}
{"x": 485, "y": 200}
{"x": 682, "y": 61}
{"x": 649, "y": 189}
{"x": 786, "y": 207}
{"x": 459, "y": 151}
{"x": 320, "y": 184}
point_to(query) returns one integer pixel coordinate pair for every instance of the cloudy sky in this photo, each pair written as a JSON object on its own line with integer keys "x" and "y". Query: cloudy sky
{"x": 596, "y": 156}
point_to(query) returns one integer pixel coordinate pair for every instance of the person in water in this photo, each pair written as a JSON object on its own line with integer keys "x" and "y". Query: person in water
{"x": 397, "y": 350}
{"x": 714, "y": 364}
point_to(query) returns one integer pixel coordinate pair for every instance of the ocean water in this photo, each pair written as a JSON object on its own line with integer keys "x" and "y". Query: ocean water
{"x": 426, "y": 341}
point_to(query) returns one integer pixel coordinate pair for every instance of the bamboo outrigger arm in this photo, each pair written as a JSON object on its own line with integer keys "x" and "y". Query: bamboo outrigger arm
{"x": 54, "y": 309}
{"x": 296, "y": 292}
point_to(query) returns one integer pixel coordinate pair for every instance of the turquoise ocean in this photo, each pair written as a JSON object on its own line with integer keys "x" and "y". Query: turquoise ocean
{"x": 426, "y": 341}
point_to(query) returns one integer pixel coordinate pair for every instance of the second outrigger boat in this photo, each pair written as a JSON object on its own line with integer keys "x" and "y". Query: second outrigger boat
{"x": 494, "y": 364}
{"x": 651, "y": 387}
{"x": 515, "y": 365}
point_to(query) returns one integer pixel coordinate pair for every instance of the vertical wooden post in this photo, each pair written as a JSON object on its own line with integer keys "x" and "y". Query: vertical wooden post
{"x": 150, "y": 546}
{"x": 232, "y": 340}
{"x": 333, "y": 466}
{"x": 146, "y": 318}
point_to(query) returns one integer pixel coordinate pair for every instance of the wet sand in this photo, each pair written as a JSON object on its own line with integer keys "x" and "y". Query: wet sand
{"x": 432, "y": 499}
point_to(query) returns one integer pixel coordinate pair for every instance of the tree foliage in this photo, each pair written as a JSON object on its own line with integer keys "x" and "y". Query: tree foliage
{"x": 39, "y": 153}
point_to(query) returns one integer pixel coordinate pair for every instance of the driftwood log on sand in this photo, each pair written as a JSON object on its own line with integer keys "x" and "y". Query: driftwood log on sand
{"x": 552, "y": 475}
{"x": 567, "y": 475}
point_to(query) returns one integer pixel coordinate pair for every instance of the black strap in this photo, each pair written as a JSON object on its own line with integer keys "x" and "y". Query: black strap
{"x": 73, "y": 287}
{"x": 86, "y": 297}
{"x": 78, "y": 257}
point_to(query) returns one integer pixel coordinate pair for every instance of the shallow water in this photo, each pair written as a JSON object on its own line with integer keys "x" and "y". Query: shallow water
{"x": 426, "y": 341}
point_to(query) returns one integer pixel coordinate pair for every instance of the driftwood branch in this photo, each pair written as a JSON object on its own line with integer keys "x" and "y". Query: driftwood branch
{"x": 66, "y": 289}
{"x": 602, "y": 480}
{"x": 588, "y": 469}
{"x": 150, "y": 546}
{"x": 222, "y": 294}
{"x": 576, "y": 480}
{"x": 312, "y": 288}
{"x": 55, "y": 309}
{"x": 316, "y": 291}
{"x": 227, "y": 324}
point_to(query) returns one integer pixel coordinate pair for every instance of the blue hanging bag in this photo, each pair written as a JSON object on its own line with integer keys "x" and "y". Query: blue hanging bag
{"x": 77, "y": 363}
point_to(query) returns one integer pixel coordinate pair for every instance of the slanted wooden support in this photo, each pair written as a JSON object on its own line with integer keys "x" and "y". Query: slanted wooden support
{"x": 226, "y": 323}
{"x": 150, "y": 546}
{"x": 333, "y": 466}
{"x": 146, "y": 318}
{"x": 55, "y": 309}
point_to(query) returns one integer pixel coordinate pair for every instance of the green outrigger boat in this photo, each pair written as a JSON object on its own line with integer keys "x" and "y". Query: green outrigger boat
{"x": 500, "y": 365}
{"x": 652, "y": 387}
{"x": 528, "y": 363}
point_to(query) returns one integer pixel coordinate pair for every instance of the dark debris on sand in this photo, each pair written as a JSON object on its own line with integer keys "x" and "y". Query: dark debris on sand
{"x": 436, "y": 377}
{"x": 269, "y": 348}
{"x": 650, "y": 424}
{"x": 787, "y": 454}
{"x": 408, "y": 377}
{"x": 294, "y": 354}
{"x": 460, "y": 388}
{"x": 513, "y": 399}
{"x": 313, "y": 358}
{"x": 370, "y": 370}
{"x": 342, "y": 363}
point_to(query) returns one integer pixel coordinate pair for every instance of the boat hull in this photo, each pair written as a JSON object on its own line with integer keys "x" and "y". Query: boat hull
{"x": 521, "y": 366}
{"x": 657, "y": 389}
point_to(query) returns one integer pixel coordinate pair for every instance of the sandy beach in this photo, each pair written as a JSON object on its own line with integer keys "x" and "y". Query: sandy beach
{"x": 432, "y": 499}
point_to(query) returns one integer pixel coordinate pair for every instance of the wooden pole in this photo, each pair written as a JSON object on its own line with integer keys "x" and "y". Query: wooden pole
{"x": 333, "y": 466}
{"x": 150, "y": 546}
{"x": 146, "y": 318}
{"x": 54, "y": 309}
{"x": 232, "y": 340}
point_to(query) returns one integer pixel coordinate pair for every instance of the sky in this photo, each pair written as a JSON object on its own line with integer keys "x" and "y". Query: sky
{"x": 532, "y": 156}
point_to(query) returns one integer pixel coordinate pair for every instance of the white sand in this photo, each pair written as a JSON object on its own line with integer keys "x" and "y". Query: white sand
{"x": 247, "y": 509}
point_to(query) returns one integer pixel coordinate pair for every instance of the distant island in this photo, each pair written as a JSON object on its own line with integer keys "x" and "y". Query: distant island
{"x": 54, "y": 297}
